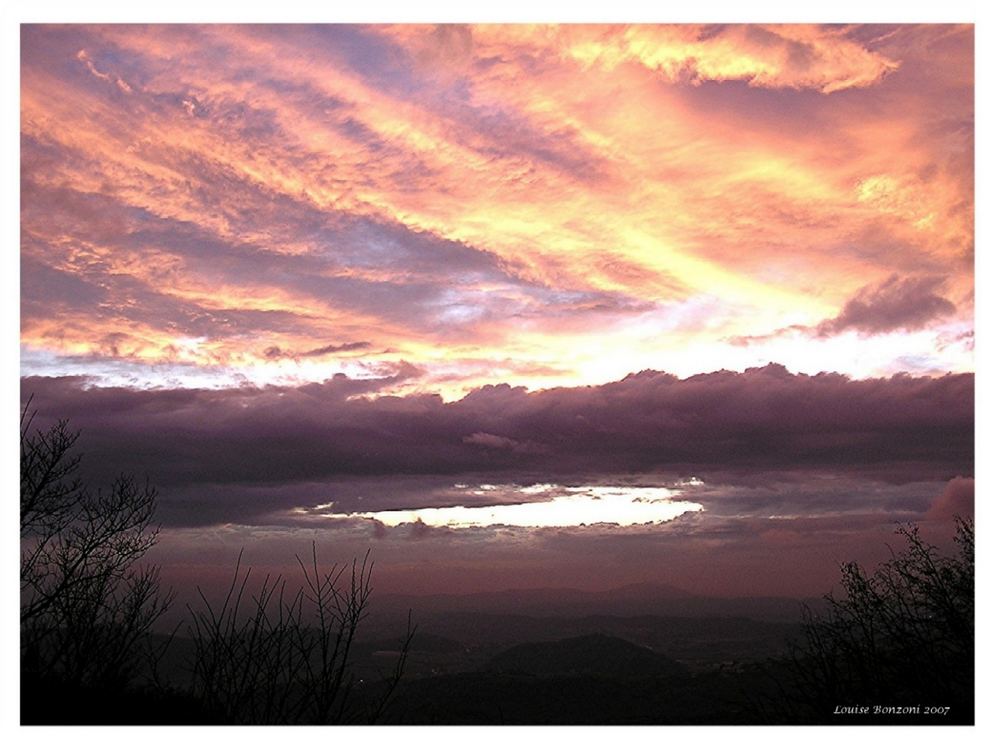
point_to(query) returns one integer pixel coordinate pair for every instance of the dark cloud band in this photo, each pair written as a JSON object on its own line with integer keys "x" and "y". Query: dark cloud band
{"x": 765, "y": 418}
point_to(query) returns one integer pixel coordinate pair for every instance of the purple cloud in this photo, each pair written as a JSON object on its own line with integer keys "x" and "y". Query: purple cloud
{"x": 896, "y": 303}
{"x": 765, "y": 418}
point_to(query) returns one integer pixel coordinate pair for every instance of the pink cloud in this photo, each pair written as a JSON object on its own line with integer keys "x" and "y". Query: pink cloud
{"x": 957, "y": 499}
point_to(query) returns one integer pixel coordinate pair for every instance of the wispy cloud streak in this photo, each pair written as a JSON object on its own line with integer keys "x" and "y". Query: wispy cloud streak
{"x": 542, "y": 205}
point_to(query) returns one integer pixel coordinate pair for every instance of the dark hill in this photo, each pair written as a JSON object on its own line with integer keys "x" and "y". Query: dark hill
{"x": 594, "y": 654}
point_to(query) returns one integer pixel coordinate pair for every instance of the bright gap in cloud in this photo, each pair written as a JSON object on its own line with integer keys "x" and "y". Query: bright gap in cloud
{"x": 574, "y": 506}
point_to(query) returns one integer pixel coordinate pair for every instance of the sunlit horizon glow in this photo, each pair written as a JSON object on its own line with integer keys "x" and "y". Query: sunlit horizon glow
{"x": 581, "y": 506}
{"x": 448, "y": 207}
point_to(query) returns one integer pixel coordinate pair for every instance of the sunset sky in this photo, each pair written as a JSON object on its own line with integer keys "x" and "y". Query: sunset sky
{"x": 713, "y": 284}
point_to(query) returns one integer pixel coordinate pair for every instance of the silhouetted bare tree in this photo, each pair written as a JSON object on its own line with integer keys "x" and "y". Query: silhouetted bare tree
{"x": 88, "y": 605}
{"x": 87, "y": 602}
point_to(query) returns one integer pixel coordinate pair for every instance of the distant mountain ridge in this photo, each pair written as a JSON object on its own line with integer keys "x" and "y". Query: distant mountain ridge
{"x": 595, "y": 654}
{"x": 625, "y": 601}
{"x": 421, "y": 642}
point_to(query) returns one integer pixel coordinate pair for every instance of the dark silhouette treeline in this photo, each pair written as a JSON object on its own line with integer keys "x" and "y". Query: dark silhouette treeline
{"x": 896, "y": 647}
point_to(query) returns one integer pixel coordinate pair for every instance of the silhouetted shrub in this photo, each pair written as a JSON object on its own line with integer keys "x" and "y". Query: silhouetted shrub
{"x": 278, "y": 659}
{"x": 902, "y": 636}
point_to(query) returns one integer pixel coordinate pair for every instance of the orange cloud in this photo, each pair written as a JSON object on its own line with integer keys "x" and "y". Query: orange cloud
{"x": 539, "y": 204}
